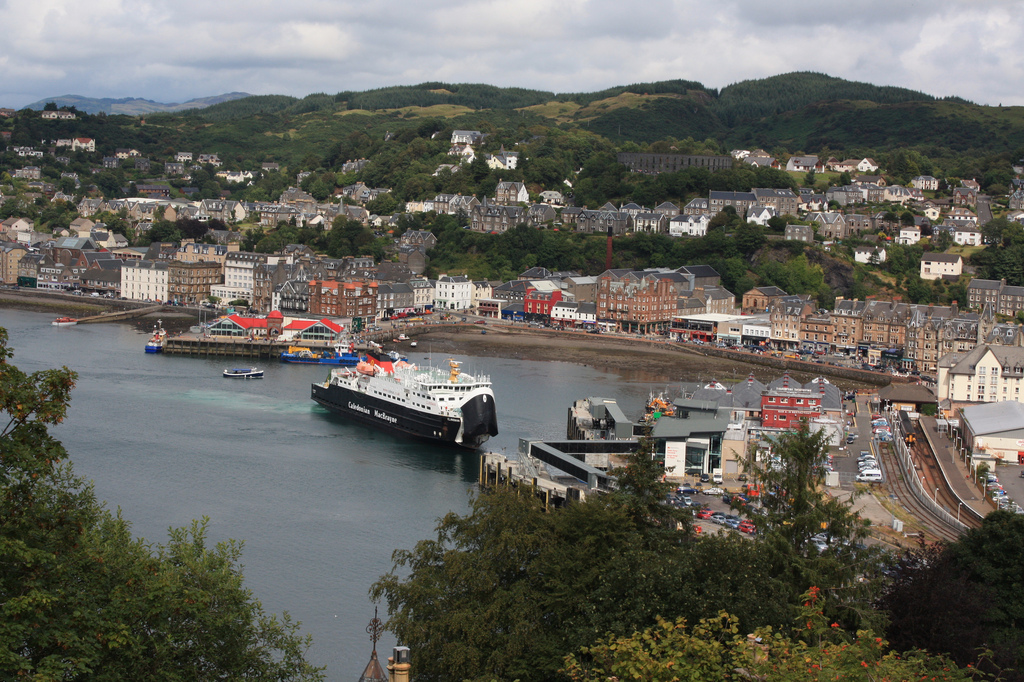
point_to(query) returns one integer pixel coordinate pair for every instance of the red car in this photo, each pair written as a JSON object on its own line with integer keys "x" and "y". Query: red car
{"x": 746, "y": 527}
{"x": 698, "y": 530}
{"x": 704, "y": 513}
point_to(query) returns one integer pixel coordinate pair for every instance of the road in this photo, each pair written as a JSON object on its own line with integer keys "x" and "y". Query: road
{"x": 984, "y": 209}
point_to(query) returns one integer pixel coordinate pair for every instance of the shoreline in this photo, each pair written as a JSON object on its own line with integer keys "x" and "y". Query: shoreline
{"x": 640, "y": 361}
{"x": 616, "y": 355}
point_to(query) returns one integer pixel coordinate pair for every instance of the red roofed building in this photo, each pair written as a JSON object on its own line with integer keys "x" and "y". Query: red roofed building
{"x": 343, "y": 299}
{"x": 273, "y": 325}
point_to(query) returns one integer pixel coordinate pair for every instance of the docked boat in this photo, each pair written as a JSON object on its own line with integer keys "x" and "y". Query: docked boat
{"x": 243, "y": 373}
{"x": 65, "y": 322}
{"x": 327, "y": 356}
{"x": 442, "y": 405}
{"x": 157, "y": 340}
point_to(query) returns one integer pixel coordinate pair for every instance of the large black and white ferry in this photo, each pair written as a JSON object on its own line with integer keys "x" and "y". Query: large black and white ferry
{"x": 443, "y": 405}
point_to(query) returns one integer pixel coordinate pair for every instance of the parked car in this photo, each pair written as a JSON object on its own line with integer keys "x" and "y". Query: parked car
{"x": 747, "y": 527}
{"x": 732, "y": 521}
{"x": 704, "y": 513}
{"x": 718, "y": 517}
{"x": 704, "y": 478}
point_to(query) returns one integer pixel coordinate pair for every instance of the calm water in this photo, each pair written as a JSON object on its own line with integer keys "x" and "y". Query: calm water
{"x": 320, "y": 503}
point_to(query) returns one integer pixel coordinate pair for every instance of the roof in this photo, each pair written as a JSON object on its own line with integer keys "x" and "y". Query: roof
{"x": 941, "y": 257}
{"x": 302, "y": 325}
{"x": 907, "y": 393}
{"x": 994, "y": 417}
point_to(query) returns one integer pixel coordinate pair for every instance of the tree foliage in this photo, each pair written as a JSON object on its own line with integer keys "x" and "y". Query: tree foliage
{"x": 80, "y": 598}
{"x": 717, "y": 649}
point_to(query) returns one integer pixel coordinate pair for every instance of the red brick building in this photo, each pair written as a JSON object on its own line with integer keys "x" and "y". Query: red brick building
{"x": 642, "y": 304}
{"x": 331, "y": 298}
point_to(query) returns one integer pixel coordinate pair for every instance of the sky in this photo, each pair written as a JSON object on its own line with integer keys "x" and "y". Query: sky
{"x": 175, "y": 51}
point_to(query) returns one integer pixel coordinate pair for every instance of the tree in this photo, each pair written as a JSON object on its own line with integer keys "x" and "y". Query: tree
{"x": 716, "y": 649}
{"x": 81, "y": 599}
{"x": 931, "y": 604}
{"x": 942, "y": 240}
{"x": 992, "y": 231}
{"x": 793, "y": 507}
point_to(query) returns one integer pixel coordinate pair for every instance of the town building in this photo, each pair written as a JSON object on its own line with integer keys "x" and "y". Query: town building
{"x": 345, "y": 299}
{"x": 190, "y": 283}
{"x": 639, "y": 302}
{"x": 987, "y": 374}
{"x": 144, "y": 280}
{"x": 453, "y": 292}
{"x": 936, "y": 265}
{"x": 1005, "y": 299}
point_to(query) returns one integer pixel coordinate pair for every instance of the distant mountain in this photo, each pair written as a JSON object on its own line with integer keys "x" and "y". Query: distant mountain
{"x": 133, "y": 106}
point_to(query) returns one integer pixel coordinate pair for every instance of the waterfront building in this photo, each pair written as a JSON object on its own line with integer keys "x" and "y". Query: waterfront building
{"x": 191, "y": 283}
{"x": 144, "y": 280}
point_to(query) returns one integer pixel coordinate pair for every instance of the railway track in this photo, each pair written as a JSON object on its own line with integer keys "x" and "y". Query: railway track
{"x": 896, "y": 482}
{"x": 927, "y": 470}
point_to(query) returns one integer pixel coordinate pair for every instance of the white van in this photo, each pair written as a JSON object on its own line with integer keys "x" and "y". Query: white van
{"x": 869, "y": 476}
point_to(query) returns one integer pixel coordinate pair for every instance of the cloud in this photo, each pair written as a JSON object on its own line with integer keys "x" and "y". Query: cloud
{"x": 174, "y": 51}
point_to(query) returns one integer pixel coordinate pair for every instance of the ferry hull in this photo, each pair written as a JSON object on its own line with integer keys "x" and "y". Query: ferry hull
{"x": 480, "y": 423}
{"x": 343, "y": 360}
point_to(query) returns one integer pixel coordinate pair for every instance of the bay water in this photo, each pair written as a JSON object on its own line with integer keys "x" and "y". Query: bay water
{"x": 320, "y": 503}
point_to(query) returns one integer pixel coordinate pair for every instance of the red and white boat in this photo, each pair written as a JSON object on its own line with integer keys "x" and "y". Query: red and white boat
{"x": 65, "y": 322}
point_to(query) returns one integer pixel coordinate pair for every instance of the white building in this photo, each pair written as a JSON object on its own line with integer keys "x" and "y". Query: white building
{"x": 994, "y": 432}
{"x": 936, "y": 265}
{"x": 869, "y": 254}
{"x": 144, "y": 280}
{"x": 759, "y": 214}
{"x": 688, "y": 225}
{"x": 453, "y": 293}
{"x": 238, "y": 278}
{"x": 967, "y": 235}
{"x": 909, "y": 235}
{"x": 572, "y": 314}
{"x": 986, "y": 374}
{"x": 925, "y": 182}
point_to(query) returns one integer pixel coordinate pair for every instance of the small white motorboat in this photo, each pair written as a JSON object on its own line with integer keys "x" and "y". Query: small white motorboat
{"x": 243, "y": 373}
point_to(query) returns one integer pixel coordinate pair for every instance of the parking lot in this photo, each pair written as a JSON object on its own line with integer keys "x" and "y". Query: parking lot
{"x": 713, "y": 502}
{"x": 1010, "y": 478}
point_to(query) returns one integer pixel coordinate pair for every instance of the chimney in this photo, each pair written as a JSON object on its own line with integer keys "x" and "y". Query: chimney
{"x": 608, "y": 253}
{"x": 398, "y": 664}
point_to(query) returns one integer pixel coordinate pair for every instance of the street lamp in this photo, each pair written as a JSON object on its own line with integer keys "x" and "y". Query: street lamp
{"x": 958, "y": 511}
{"x": 936, "y": 498}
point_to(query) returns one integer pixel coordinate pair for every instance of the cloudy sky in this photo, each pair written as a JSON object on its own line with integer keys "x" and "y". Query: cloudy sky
{"x": 175, "y": 51}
